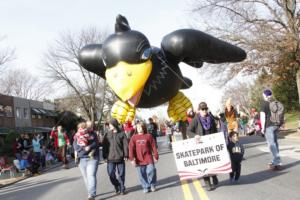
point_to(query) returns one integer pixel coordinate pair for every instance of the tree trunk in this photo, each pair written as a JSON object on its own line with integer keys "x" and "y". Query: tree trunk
{"x": 92, "y": 116}
{"x": 298, "y": 83}
{"x": 102, "y": 105}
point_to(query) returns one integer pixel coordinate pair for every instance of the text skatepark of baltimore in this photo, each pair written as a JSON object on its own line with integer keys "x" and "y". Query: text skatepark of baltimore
{"x": 196, "y": 156}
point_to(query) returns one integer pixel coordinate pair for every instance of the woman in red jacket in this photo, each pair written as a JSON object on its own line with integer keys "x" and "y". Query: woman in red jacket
{"x": 141, "y": 147}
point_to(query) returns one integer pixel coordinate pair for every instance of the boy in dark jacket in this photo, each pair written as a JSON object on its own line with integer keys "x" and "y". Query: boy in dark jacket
{"x": 115, "y": 151}
{"x": 236, "y": 151}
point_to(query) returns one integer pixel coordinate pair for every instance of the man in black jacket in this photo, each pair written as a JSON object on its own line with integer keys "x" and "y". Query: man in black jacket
{"x": 115, "y": 151}
{"x": 203, "y": 123}
{"x": 152, "y": 128}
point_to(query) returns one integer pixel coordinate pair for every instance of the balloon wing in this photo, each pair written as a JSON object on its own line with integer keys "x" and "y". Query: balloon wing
{"x": 90, "y": 58}
{"x": 195, "y": 47}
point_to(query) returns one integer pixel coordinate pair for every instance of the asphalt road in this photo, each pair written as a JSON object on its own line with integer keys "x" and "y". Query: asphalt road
{"x": 256, "y": 183}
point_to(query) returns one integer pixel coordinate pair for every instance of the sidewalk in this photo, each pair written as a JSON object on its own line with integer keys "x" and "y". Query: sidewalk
{"x": 10, "y": 181}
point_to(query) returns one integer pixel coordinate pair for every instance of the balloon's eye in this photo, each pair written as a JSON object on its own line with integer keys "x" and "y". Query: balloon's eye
{"x": 146, "y": 54}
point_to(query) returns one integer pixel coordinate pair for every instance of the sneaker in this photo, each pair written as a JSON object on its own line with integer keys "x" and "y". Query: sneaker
{"x": 117, "y": 190}
{"x": 237, "y": 181}
{"x": 277, "y": 167}
{"x": 91, "y": 198}
{"x": 231, "y": 180}
{"x": 208, "y": 185}
{"x": 123, "y": 190}
{"x": 153, "y": 189}
{"x": 215, "y": 180}
{"x": 145, "y": 190}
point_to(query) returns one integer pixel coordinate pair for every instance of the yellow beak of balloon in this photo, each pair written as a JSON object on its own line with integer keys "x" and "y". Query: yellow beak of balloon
{"x": 127, "y": 80}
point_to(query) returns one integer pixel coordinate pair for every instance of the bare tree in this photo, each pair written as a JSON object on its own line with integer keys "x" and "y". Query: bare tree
{"x": 6, "y": 54}
{"x": 240, "y": 93}
{"x": 104, "y": 101}
{"x": 268, "y": 29}
{"x": 20, "y": 83}
{"x": 62, "y": 66}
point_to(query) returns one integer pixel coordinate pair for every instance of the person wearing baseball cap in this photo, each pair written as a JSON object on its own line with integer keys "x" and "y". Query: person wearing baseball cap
{"x": 203, "y": 123}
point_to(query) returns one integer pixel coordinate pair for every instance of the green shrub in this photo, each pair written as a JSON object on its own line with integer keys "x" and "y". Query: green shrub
{"x": 7, "y": 149}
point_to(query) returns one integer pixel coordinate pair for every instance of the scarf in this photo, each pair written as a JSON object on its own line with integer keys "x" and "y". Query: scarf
{"x": 206, "y": 122}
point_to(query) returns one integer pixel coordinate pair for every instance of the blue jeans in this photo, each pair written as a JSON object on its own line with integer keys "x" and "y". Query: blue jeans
{"x": 111, "y": 170}
{"x": 271, "y": 137}
{"x": 88, "y": 168}
{"x": 147, "y": 175}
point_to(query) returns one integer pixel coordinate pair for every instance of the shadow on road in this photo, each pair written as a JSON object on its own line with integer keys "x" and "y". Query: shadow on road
{"x": 247, "y": 146}
{"x": 165, "y": 152}
{"x": 168, "y": 182}
{"x": 37, "y": 189}
{"x": 252, "y": 139}
{"x": 262, "y": 175}
{"x": 256, "y": 155}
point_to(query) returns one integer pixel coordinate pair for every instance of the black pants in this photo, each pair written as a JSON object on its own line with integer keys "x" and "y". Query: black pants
{"x": 236, "y": 170}
{"x": 208, "y": 178}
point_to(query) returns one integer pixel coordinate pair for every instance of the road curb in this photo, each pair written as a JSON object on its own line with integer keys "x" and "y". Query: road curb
{"x": 25, "y": 177}
{"x": 8, "y": 184}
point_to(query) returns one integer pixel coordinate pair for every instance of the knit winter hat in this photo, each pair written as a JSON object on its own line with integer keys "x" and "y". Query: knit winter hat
{"x": 267, "y": 92}
{"x": 115, "y": 123}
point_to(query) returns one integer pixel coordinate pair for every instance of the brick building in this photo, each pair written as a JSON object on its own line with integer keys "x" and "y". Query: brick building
{"x": 24, "y": 115}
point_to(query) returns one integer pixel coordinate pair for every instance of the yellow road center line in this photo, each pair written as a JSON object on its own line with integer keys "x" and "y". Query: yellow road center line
{"x": 185, "y": 185}
{"x": 186, "y": 190}
{"x": 200, "y": 190}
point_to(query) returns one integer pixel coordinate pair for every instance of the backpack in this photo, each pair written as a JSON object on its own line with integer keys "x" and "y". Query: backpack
{"x": 277, "y": 113}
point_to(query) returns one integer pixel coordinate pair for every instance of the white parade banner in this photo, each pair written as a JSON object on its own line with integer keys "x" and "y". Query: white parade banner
{"x": 208, "y": 157}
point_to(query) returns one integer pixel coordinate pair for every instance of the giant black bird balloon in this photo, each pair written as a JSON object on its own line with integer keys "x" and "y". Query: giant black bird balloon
{"x": 145, "y": 76}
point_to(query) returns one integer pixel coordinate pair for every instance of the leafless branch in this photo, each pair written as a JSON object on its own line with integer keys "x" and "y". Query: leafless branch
{"x": 62, "y": 66}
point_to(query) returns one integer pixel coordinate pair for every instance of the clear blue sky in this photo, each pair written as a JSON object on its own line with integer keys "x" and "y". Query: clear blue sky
{"x": 31, "y": 25}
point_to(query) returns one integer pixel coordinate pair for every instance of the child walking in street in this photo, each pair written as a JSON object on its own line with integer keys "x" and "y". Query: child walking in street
{"x": 141, "y": 147}
{"x": 236, "y": 151}
{"x": 115, "y": 152}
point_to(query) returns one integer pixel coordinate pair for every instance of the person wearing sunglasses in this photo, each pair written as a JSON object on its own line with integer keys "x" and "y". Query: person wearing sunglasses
{"x": 203, "y": 123}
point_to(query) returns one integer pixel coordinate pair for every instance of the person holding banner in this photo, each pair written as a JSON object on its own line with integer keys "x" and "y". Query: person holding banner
{"x": 141, "y": 147}
{"x": 203, "y": 124}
